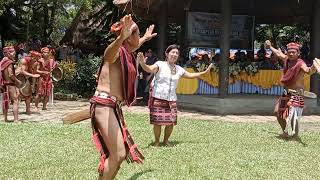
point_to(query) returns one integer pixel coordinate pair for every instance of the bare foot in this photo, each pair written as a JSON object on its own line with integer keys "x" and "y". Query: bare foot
{"x": 167, "y": 144}
{"x": 284, "y": 135}
{"x": 36, "y": 110}
{"x": 156, "y": 144}
{"x": 17, "y": 121}
{"x": 28, "y": 112}
{"x": 44, "y": 108}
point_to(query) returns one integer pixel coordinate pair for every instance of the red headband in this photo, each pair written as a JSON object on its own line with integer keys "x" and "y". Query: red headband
{"x": 45, "y": 50}
{"x": 8, "y": 49}
{"x": 35, "y": 54}
{"x": 293, "y": 46}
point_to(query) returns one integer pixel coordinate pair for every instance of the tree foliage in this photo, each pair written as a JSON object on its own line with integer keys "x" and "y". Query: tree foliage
{"x": 281, "y": 34}
{"x": 90, "y": 28}
{"x": 38, "y": 19}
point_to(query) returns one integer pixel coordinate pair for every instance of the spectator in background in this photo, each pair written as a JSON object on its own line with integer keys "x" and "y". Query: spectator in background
{"x": 62, "y": 52}
{"x": 305, "y": 52}
{"x": 1, "y": 54}
{"x": 243, "y": 60}
{"x": 145, "y": 77}
{"x": 237, "y": 55}
{"x": 275, "y": 61}
{"x": 77, "y": 54}
{"x": 34, "y": 44}
{"x": 261, "y": 56}
{"x": 265, "y": 64}
{"x": 70, "y": 53}
{"x": 216, "y": 58}
{"x": 206, "y": 59}
{"x": 192, "y": 62}
{"x": 262, "y": 50}
{"x": 250, "y": 56}
{"x": 21, "y": 51}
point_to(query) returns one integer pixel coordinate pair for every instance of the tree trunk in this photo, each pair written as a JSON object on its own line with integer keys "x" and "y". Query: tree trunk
{"x": 52, "y": 18}
{"x": 45, "y": 22}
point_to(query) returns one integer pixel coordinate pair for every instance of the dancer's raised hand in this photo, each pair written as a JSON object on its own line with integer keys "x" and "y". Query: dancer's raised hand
{"x": 141, "y": 59}
{"x": 128, "y": 26}
{"x": 149, "y": 33}
{"x": 267, "y": 44}
{"x": 316, "y": 64}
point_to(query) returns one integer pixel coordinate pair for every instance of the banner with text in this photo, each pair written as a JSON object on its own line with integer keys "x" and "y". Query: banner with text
{"x": 204, "y": 29}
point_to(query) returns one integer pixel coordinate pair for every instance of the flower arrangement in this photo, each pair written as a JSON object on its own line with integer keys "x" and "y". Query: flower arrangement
{"x": 251, "y": 69}
{"x": 200, "y": 66}
{"x": 215, "y": 67}
{"x": 234, "y": 69}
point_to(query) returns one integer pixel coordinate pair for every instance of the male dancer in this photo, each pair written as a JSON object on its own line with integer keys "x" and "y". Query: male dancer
{"x": 290, "y": 105}
{"x": 29, "y": 69}
{"x": 8, "y": 83}
{"x": 116, "y": 87}
{"x": 44, "y": 68}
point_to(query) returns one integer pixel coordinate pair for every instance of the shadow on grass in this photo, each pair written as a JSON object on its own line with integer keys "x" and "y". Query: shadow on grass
{"x": 171, "y": 144}
{"x": 137, "y": 175}
{"x": 292, "y": 138}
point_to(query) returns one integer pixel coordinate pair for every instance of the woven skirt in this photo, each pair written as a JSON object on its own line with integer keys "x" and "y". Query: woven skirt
{"x": 162, "y": 112}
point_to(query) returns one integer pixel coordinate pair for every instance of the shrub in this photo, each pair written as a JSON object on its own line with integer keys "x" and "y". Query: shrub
{"x": 85, "y": 81}
{"x": 67, "y": 81}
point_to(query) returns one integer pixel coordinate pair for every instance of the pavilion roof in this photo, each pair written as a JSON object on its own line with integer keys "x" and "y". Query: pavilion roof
{"x": 265, "y": 11}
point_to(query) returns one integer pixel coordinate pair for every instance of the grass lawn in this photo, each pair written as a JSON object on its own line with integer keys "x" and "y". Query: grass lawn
{"x": 204, "y": 150}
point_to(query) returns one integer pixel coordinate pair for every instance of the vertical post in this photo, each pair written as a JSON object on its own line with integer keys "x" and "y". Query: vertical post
{"x": 315, "y": 47}
{"x": 162, "y": 26}
{"x": 185, "y": 43}
{"x": 28, "y": 27}
{"x": 226, "y": 16}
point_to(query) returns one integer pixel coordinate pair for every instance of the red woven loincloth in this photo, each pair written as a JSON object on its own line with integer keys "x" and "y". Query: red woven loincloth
{"x": 45, "y": 86}
{"x": 133, "y": 154}
{"x": 284, "y": 102}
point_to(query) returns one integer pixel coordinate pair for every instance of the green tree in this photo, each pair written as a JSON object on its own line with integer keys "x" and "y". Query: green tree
{"x": 90, "y": 28}
{"x": 281, "y": 34}
{"x": 44, "y": 19}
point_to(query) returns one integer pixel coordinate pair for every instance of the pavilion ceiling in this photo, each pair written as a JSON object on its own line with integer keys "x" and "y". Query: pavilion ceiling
{"x": 265, "y": 11}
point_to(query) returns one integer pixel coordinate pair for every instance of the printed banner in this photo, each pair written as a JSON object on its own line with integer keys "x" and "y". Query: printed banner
{"x": 204, "y": 29}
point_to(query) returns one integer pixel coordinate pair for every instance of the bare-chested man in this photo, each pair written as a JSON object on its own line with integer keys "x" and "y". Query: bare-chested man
{"x": 8, "y": 82}
{"x": 29, "y": 66}
{"x": 44, "y": 68}
{"x": 290, "y": 106}
{"x": 116, "y": 87}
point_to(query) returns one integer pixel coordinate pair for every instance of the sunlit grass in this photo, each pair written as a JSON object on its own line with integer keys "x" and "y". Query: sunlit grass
{"x": 203, "y": 150}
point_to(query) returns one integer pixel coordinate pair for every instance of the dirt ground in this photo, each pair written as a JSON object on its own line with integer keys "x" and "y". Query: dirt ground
{"x": 59, "y": 109}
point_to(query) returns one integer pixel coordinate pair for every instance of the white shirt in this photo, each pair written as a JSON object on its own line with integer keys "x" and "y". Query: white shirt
{"x": 164, "y": 84}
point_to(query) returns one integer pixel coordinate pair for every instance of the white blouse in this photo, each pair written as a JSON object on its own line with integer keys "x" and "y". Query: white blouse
{"x": 164, "y": 84}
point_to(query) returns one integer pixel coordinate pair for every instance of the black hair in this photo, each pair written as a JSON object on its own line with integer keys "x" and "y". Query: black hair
{"x": 172, "y": 46}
